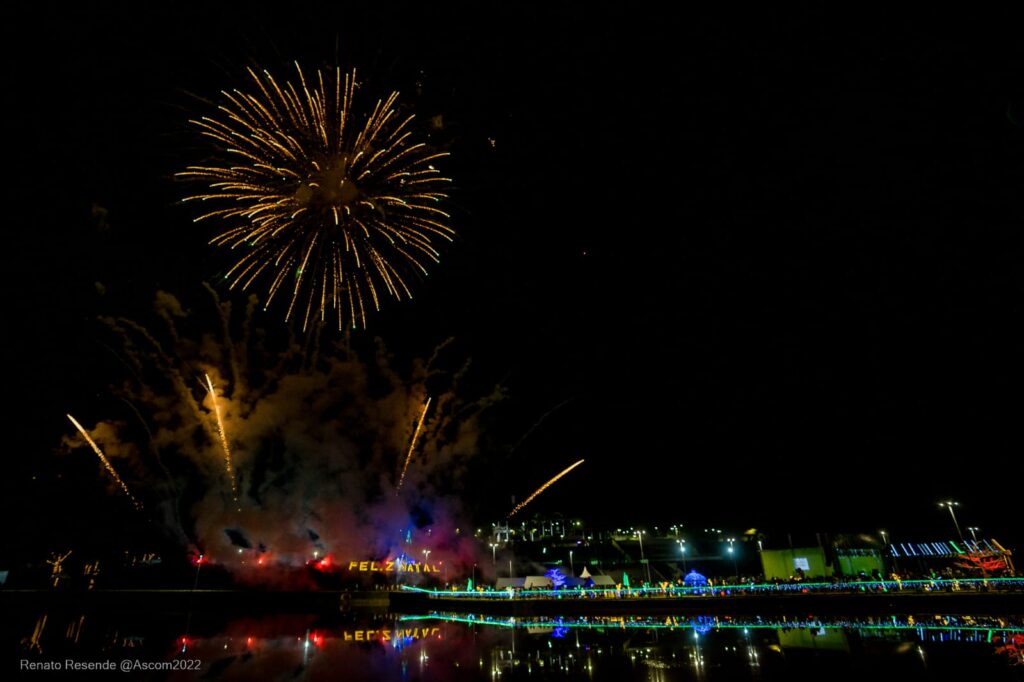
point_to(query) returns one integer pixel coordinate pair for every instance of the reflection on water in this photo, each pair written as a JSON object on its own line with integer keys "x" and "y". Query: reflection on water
{"x": 468, "y": 647}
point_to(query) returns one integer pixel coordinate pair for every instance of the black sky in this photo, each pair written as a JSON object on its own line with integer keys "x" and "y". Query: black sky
{"x": 773, "y": 262}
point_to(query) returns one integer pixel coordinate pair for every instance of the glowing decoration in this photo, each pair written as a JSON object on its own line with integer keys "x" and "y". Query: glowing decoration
{"x": 56, "y": 562}
{"x": 557, "y": 578}
{"x": 223, "y": 441}
{"x": 541, "y": 489}
{"x": 106, "y": 463}
{"x": 560, "y": 630}
{"x": 33, "y": 643}
{"x": 924, "y": 585}
{"x": 695, "y": 579}
{"x": 334, "y": 203}
{"x": 978, "y": 629}
{"x": 702, "y": 624}
{"x": 984, "y": 562}
{"x": 412, "y": 444}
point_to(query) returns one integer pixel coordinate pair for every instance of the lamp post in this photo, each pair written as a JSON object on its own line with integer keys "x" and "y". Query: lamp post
{"x": 572, "y": 566}
{"x": 682, "y": 551}
{"x": 494, "y": 553}
{"x": 426, "y": 556}
{"x": 949, "y": 504}
{"x": 974, "y": 533}
{"x": 732, "y": 552}
{"x": 643, "y": 559}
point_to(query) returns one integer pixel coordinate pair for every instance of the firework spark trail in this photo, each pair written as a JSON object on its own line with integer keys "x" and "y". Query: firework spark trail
{"x": 335, "y": 203}
{"x": 541, "y": 489}
{"x": 412, "y": 445}
{"x": 223, "y": 440}
{"x": 106, "y": 462}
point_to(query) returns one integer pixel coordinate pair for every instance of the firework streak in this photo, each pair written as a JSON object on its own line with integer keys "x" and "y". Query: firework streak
{"x": 541, "y": 489}
{"x": 335, "y": 203}
{"x": 223, "y": 440}
{"x": 106, "y": 462}
{"x": 412, "y": 445}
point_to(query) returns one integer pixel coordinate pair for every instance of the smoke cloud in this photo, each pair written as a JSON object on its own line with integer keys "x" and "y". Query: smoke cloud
{"x": 317, "y": 435}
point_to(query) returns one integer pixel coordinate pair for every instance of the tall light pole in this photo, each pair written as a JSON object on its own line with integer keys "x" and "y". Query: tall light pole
{"x": 949, "y": 504}
{"x": 732, "y": 552}
{"x": 494, "y": 553}
{"x": 426, "y": 556}
{"x": 643, "y": 559}
{"x": 974, "y": 533}
{"x": 572, "y": 566}
{"x": 682, "y": 550}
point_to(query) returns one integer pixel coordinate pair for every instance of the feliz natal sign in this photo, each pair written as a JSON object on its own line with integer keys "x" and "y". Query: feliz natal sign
{"x": 388, "y": 635}
{"x": 388, "y": 566}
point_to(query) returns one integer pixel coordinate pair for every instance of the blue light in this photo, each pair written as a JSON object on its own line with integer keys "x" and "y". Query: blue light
{"x": 560, "y": 630}
{"x": 702, "y": 624}
{"x": 695, "y": 579}
{"x": 557, "y": 578}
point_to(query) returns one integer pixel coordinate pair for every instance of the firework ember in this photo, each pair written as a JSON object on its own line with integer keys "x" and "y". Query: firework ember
{"x": 223, "y": 440}
{"x": 106, "y": 462}
{"x": 412, "y": 445}
{"x": 541, "y": 489}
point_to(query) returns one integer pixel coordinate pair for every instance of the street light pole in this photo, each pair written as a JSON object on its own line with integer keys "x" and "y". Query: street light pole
{"x": 682, "y": 550}
{"x": 974, "y": 533}
{"x": 732, "y": 552}
{"x": 494, "y": 553}
{"x": 572, "y": 566}
{"x": 949, "y": 504}
{"x": 643, "y": 559}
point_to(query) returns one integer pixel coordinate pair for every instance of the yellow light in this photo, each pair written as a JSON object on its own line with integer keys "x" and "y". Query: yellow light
{"x": 412, "y": 444}
{"x": 106, "y": 463}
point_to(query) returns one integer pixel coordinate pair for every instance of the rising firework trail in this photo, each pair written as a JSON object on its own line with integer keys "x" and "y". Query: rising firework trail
{"x": 412, "y": 444}
{"x": 541, "y": 489}
{"x": 106, "y": 462}
{"x": 336, "y": 203}
{"x": 223, "y": 440}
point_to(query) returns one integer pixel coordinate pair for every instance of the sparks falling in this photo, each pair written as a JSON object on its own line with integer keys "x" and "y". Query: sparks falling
{"x": 106, "y": 462}
{"x": 541, "y": 489}
{"x": 336, "y": 205}
{"x": 223, "y": 440}
{"x": 412, "y": 444}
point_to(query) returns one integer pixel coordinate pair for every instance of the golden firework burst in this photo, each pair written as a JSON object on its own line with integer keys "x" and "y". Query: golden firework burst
{"x": 337, "y": 206}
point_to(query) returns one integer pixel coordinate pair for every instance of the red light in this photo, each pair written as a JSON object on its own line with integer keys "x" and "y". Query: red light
{"x": 260, "y": 561}
{"x": 326, "y": 561}
{"x": 248, "y": 641}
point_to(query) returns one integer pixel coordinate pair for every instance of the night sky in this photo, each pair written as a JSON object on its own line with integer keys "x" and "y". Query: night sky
{"x": 769, "y": 266}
